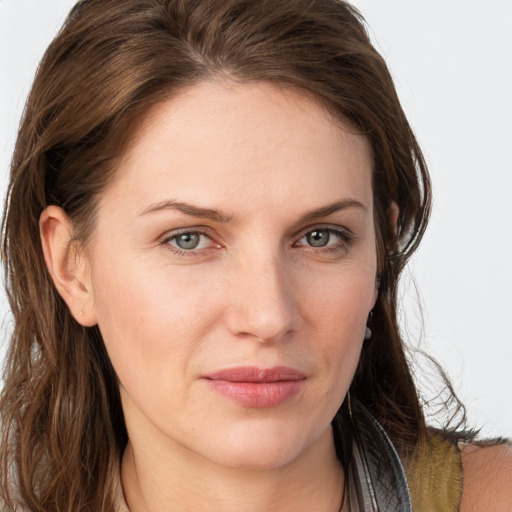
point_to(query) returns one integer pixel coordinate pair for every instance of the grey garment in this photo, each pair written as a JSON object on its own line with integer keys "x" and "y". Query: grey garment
{"x": 376, "y": 480}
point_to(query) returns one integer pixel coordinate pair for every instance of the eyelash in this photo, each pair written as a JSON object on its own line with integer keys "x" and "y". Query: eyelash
{"x": 342, "y": 246}
{"x": 166, "y": 242}
{"x": 346, "y": 239}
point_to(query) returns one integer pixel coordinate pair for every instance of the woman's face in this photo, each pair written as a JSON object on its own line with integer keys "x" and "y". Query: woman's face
{"x": 232, "y": 270}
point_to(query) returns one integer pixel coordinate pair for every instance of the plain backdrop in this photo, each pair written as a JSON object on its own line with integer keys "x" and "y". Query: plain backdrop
{"x": 451, "y": 60}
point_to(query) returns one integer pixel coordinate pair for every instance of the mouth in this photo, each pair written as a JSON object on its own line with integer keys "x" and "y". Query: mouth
{"x": 257, "y": 388}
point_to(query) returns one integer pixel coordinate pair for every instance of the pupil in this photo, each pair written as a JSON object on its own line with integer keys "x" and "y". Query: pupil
{"x": 318, "y": 238}
{"x": 188, "y": 241}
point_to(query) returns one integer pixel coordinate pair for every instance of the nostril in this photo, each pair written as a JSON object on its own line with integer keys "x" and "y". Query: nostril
{"x": 261, "y": 303}
{"x": 265, "y": 325}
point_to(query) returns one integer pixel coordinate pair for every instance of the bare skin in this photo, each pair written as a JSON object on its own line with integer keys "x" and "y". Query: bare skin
{"x": 487, "y": 479}
{"x": 319, "y": 485}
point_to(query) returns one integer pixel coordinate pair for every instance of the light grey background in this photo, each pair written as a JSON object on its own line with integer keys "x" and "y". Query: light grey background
{"x": 451, "y": 60}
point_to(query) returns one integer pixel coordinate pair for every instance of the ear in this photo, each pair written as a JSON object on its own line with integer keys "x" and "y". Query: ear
{"x": 67, "y": 265}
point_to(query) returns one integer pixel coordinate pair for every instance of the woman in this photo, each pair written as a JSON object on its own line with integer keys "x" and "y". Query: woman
{"x": 210, "y": 206}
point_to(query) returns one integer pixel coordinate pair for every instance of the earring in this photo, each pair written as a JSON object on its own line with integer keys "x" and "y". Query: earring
{"x": 368, "y": 331}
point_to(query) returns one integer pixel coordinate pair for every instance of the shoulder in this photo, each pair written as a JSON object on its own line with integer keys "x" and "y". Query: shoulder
{"x": 487, "y": 478}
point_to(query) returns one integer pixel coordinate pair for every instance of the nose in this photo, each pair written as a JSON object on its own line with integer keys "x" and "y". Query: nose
{"x": 262, "y": 303}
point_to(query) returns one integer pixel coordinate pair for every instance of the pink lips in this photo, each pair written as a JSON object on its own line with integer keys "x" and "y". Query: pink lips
{"x": 257, "y": 387}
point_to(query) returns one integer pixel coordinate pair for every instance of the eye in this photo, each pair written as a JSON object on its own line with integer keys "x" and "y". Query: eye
{"x": 321, "y": 237}
{"x": 328, "y": 239}
{"x": 188, "y": 241}
{"x": 318, "y": 238}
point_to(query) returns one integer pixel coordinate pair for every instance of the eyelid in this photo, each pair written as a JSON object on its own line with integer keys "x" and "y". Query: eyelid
{"x": 342, "y": 230}
{"x": 345, "y": 234}
{"x": 165, "y": 240}
{"x": 173, "y": 233}
{"x": 346, "y": 238}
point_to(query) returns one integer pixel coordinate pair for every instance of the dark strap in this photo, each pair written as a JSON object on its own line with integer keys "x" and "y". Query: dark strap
{"x": 377, "y": 481}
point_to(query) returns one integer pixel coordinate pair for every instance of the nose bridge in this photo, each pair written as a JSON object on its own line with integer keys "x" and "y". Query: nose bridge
{"x": 262, "y": 301}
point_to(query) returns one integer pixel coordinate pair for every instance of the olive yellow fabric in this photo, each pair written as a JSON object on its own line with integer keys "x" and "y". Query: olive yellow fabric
{"x": 435, "y": 475}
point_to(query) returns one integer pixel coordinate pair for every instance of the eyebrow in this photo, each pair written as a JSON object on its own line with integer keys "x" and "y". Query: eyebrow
{"x": 324, "y": 211}
{"x": 218, "y": 216}
{"x": 189, "y": 209}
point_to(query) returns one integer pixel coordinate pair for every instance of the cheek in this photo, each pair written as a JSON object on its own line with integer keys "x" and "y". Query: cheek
{"x": 149, "y": 318}
{"x": 338, "y": 311}
{"x": 339, "y": 301}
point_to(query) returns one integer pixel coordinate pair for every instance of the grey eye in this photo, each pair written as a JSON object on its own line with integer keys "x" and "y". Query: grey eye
{"x": 188, "y": 240}
{"x": 318, "y": 237}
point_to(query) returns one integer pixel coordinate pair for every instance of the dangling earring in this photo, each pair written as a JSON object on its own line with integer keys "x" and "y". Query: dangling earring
{"x": 368, "y": 332}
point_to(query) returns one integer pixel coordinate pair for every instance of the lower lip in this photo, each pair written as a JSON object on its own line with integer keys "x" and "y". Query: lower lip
{"x": 258, "y": 395}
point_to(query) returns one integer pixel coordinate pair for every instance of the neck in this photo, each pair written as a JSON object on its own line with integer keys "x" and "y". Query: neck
{"x": 158, "y": 480}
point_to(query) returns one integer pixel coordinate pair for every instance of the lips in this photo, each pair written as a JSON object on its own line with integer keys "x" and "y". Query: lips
{"x": 253, "y": 387}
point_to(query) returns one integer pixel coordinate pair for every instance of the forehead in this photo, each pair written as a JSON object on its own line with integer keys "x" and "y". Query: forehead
{"x": 258, "y": 141}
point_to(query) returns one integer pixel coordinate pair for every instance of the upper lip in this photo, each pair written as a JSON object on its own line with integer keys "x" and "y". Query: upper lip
{"x": 255, "y": 374}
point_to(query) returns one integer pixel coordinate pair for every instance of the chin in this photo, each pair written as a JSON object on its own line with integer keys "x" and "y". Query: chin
{"x": 256, "y": 458}
{"x": 260, "y": 447}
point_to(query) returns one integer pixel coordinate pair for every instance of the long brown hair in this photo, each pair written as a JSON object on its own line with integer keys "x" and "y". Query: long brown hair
{"x": 62, "y": 425}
